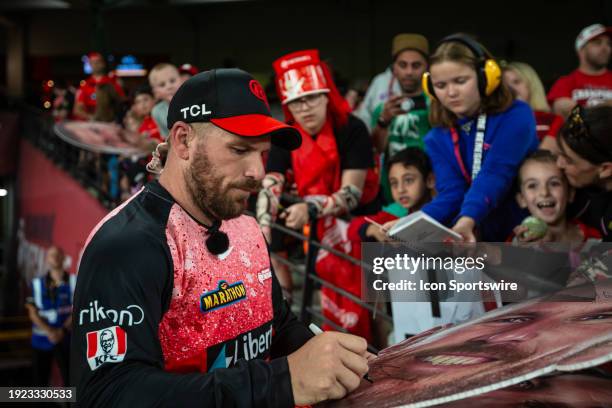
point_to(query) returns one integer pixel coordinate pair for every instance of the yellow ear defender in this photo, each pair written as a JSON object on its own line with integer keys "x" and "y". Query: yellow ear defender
{"x": 488, "y": 71}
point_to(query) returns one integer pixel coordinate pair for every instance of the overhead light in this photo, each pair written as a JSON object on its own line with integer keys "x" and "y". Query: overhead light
{"x": 3, "y": 192}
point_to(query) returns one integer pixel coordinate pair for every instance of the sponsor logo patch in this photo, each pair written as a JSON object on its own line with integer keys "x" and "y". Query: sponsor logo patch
{"x": 225, "y": 295}
{"x": 129, "y": 316}
{"x": 106, "y": 346}
{"x": 195, "y": 111}
{"x": 258, "y": 91}
{"x": 247, "y": 346}
{"x": 264, "y": 275}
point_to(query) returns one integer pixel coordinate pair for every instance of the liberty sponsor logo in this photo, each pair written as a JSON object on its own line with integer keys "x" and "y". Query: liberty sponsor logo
{"x": 247, "y": 346}
{"x": 106, "y": 346}
{"x": 225, "y": 295}
{"x": 129, "y": 316}
{"x": 195, "y": 111}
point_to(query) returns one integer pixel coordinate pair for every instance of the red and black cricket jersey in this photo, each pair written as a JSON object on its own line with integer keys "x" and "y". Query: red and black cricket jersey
{"x": 159, "y": 320}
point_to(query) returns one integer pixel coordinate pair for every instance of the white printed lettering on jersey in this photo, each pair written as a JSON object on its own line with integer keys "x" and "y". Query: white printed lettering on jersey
{"x": 264, "y": 275}
{"x": 195, "y": 111}
{"x": 253, "y": 346}
{"x": 130, "y": 316}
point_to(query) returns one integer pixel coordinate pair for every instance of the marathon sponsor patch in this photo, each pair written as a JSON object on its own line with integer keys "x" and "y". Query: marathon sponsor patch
{"x": 225, "y": 295}
{"x": 106, "y": 346}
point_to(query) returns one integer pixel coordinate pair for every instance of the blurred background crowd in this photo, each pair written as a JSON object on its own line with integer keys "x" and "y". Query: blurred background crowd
{"x": 495, "y": 123}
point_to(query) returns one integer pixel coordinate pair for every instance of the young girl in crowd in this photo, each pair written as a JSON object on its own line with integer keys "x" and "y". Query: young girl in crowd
{"x": 481, "y": 136}
{"x": 546, "y": 193}
{"x": 585, "y": 143}
{"x": 524, "y": 82}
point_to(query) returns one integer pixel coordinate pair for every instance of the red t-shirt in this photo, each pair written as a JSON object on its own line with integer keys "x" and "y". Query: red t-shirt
{"x": 547, "y": 124}
{"x": 586, "y": 90}
{"x": 86, "y": 94}
{"x": 149, "y": 127}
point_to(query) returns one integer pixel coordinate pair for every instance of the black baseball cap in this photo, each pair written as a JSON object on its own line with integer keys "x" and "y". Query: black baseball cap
{"x": 232, "y": 100}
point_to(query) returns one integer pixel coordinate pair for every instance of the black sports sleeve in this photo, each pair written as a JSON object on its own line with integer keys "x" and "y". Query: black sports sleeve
{"x": 124, "y": 286}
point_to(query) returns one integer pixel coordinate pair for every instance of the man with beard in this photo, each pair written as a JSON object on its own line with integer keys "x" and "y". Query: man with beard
{"x": 183, "y": 280}
{"x": 401, "y": 121}
{"x": 591, "y": 83}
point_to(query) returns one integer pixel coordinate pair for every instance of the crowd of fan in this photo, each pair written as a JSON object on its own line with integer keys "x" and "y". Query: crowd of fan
{"x": 475, "y": 143}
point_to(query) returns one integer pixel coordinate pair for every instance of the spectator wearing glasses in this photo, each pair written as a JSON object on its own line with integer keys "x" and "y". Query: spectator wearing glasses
{"x": 334, "y": 172}
{"x": 591, "y": 83}
{"x": 586, "y": 160}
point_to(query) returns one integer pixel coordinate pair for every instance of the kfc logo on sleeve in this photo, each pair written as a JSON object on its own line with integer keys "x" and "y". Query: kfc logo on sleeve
{"x": 106, "y": 346}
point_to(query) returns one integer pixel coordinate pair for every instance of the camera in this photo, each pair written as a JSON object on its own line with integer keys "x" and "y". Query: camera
{"x": 407, "y": 105}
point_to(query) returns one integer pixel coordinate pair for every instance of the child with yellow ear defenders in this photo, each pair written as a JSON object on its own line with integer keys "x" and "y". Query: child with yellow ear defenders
{"x": 480, "y": 137}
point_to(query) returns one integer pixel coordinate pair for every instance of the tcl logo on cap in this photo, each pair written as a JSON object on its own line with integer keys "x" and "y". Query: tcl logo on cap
{"x": 106, "y": 346}
{"x": 195, "y": 111}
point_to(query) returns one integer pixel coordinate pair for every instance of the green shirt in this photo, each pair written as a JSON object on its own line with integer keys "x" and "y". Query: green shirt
{"x": 405, "y": 130}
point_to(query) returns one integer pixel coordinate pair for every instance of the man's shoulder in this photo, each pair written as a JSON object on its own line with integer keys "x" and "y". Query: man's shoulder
{"x": 354, "y": 123}
{"x": 138, "y": 223}
{"x": 568, "y": 80}
{"x": 354, "y": 131}
{"x": 382, "y": 78}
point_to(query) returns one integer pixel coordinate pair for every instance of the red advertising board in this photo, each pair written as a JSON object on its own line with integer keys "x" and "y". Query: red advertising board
{"x": 53, "y": 209}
